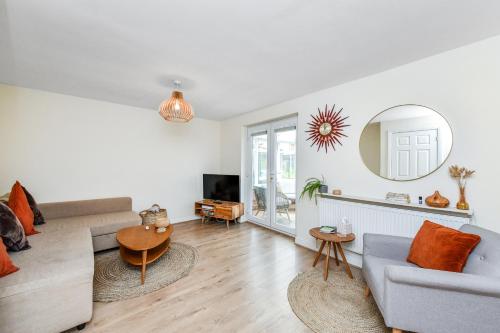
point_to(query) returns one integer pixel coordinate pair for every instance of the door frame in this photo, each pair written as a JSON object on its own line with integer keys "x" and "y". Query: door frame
{"x": 270, "y": 127}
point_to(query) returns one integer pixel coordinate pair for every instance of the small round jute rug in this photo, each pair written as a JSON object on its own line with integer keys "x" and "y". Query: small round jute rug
{"x": 336, "y": 305}
{"x": 116, "y": 280}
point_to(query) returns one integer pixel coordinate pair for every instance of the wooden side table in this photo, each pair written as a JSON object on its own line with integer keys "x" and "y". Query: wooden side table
{"x": 334, "y": 240}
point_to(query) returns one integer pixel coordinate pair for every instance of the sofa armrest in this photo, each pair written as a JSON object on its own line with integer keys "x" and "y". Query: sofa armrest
{"x": 55, "y": 210}
{"x": 443, "y": 280}
{"x": 385, "y": 246}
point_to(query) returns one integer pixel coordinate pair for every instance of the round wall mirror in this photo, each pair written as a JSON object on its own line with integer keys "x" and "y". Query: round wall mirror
{"x": 405, "y": 142}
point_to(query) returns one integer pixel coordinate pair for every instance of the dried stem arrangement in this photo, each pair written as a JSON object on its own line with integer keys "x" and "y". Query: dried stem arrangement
{"x": 460, "y": 174}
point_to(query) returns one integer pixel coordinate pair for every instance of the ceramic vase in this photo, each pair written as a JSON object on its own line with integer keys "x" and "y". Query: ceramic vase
{"x": 437, "y": 200}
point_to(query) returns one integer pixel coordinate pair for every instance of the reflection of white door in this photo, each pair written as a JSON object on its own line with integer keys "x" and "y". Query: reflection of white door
{"x": 412, "y": 154}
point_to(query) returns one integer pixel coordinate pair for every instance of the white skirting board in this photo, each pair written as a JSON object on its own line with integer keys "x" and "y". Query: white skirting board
{"x": 184, "y": 219}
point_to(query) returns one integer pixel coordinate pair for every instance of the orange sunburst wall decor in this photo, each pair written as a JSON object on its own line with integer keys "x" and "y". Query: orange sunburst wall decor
{"x": 326, "y": 128}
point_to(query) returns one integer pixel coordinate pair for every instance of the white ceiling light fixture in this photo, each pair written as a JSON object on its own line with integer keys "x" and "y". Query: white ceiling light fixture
{"x": 175, "y": 108}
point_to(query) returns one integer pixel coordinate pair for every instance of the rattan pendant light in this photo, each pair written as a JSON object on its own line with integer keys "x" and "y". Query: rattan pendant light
{"x": 176, "y": 108}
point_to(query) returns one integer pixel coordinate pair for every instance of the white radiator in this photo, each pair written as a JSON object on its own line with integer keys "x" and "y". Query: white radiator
{"x": 375, "y": 217}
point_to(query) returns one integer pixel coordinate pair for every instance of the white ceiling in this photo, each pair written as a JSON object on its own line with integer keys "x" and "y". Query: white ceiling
{"x": 233, "y": 56}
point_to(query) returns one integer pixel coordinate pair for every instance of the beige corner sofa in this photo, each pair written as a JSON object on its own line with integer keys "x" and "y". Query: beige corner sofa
{"x": 52, "y": 291}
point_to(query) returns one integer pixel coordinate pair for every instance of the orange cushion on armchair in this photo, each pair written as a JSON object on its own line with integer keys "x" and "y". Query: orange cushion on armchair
{"x": 18, "y": 202}
{"x": 439, "y": 247}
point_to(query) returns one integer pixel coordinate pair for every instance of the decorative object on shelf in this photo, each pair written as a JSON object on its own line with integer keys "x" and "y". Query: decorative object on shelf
{"x": 461, "y": 174}
{"x": 337, "y": 192}
{"x": 345, "y": 227}
{"x": 437, "y": 200}
{"x": 312, "y": 186}
{"x": 398, "y": 197}
{"x": 155, "y": 215}
{"x": 327, "y": 128}
{"x": 175, "y": 108}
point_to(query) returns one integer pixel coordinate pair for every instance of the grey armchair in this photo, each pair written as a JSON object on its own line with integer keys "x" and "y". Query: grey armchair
{"x": 424, "y": 300}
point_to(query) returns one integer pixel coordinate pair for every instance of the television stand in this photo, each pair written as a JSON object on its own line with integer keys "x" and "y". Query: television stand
{"x": 223, "y": 210}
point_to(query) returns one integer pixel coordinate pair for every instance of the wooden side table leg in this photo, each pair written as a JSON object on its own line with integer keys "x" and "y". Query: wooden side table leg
{"x": 335, "y": 252}
{"x": 143, "y": 271}
{"x": 347, "y": 268}
{"x": 227, "y": 224}
{"x": 320, "y": 252}
{"x": 327, "y": 261}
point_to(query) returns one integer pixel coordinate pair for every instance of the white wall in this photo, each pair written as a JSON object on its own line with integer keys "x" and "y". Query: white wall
{"x": 67, "y": 148}
{"x": 463, "y": 85}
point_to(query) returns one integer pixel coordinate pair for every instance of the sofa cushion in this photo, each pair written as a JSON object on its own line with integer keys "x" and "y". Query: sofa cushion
{"x": 55, "y": 258}
{"x": 11, "y": 230}
{"x": 20, "y": 206}
{"x": 374, "y": 273}
{"x": 6, "y": 265}
{"x": 438, "y": 247}
{"x": 37, "y": 214}
{"x": 100, "y": 224}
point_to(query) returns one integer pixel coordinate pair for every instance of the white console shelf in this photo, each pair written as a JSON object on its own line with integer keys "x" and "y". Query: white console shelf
{"x": 384, "y": 217}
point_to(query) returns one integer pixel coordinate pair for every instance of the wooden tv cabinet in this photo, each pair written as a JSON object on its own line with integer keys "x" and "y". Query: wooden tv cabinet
{"x": 224, "y": 210}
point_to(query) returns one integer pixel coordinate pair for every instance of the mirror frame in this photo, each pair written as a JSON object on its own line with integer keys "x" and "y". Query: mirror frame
{"x": 406, "y": 180}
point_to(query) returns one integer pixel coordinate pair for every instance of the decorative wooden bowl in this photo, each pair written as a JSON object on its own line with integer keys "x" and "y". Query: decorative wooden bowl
{"x": 437, "y": 200}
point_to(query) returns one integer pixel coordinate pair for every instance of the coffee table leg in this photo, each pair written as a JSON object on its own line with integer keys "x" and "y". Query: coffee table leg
{"x": 327, "y": 261}
{"x": 347, "y": 268}
{"x": 143, "y": 271}
{"x": 335, "y": 252}
{"x": 320, "y": 252}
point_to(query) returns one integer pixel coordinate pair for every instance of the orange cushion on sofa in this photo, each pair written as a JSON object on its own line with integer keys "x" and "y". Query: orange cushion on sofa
{"x": 6, "y": 265}
{"x": 439, "y": 247}
{"x": 18, "y": 202}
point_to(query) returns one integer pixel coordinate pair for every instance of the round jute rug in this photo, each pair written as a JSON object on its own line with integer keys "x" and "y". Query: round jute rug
{"x": 335, "y": 305}
{"x": 116, "y": 280}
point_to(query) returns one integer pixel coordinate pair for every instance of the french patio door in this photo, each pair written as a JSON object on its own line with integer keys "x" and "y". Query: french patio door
{"x": 271, "y": 174}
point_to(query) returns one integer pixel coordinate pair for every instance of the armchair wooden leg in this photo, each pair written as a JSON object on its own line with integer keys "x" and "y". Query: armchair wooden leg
{"x": 396, "y": 330}
{"x": 367, "y": 291}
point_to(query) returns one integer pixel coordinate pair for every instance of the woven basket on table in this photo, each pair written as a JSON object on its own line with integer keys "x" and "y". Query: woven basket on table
{"x": 155, "y": 215}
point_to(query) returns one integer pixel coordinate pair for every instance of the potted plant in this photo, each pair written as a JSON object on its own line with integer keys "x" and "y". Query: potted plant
{"x": 312, "y": 186}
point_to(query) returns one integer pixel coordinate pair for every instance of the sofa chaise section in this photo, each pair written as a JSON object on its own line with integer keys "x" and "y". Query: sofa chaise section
{"x": 52, "y": 291}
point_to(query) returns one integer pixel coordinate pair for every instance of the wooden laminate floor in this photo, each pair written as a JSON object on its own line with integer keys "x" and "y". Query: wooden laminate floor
{"x": 239, "y": 285}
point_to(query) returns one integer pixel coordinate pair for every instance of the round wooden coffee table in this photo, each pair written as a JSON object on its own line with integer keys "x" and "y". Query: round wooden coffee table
{"x": 140, "y": 246}
{"x": 335, "y": 240}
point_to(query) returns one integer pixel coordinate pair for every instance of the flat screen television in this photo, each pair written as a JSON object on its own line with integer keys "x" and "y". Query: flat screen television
{"x": 221, "y": 187}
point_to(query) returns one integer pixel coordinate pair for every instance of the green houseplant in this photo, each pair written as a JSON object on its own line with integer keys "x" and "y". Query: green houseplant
{"x": 312, "y": 186}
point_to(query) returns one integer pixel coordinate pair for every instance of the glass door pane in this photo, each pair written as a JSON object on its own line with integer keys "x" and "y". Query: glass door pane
{"x": 284, "y": 172}
{"x": 259, "y": 190}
